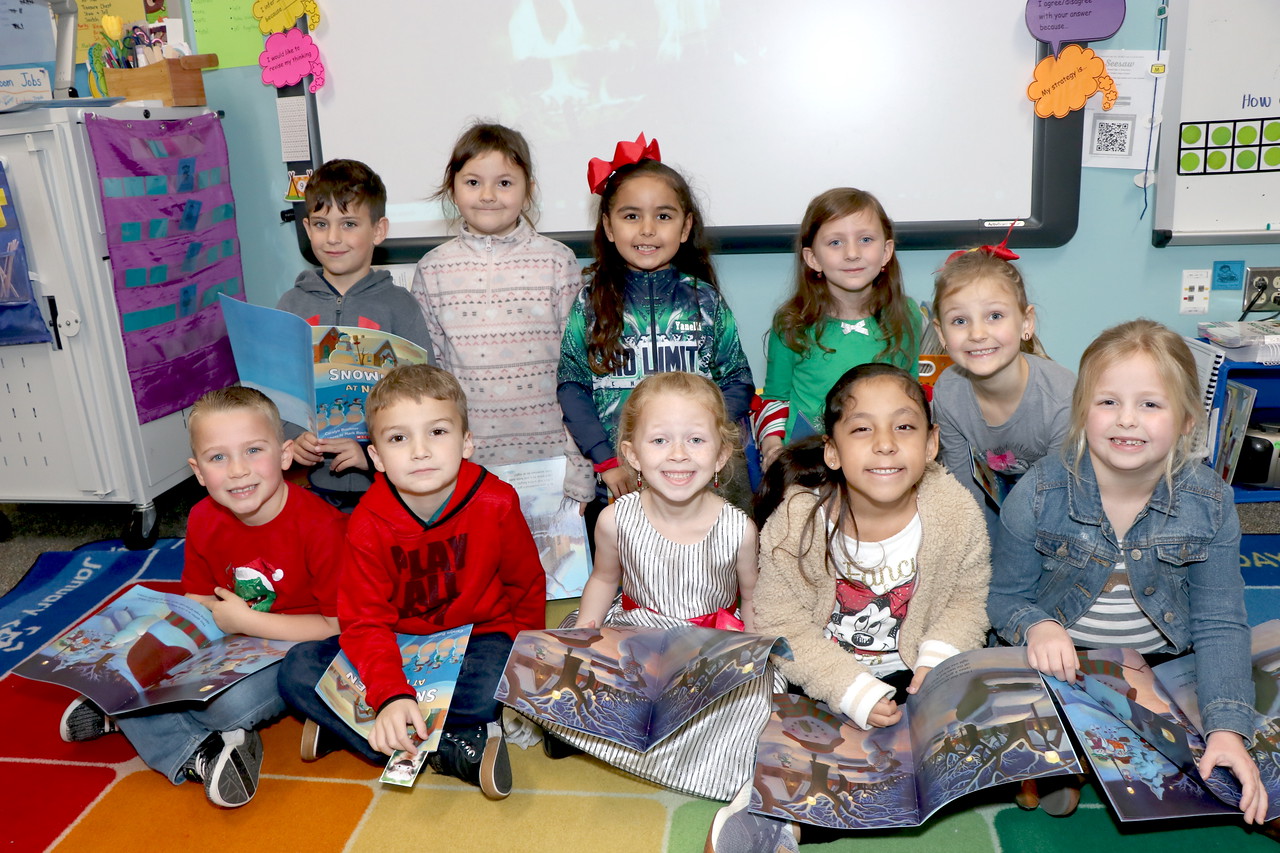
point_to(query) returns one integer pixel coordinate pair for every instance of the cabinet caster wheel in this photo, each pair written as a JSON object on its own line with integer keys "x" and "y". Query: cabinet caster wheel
{"x": 144, "y": 528}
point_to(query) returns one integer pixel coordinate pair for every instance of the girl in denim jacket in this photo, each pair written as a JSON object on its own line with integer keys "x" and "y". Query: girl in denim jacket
{"x": 1128, "y": 541}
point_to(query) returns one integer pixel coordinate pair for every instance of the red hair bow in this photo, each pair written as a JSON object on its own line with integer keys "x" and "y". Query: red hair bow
{"x": 626, "y": 153}
{"x": 1002, "y": 251}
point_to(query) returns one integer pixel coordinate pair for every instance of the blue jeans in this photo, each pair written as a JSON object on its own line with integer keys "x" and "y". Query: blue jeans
{"x": 166, "y": 739}
{"x": 473, "y": 703}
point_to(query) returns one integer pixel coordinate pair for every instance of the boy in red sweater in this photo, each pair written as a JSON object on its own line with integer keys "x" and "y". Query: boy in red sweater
{"x": 263, "y": 556}
{"x": 435, "y": 543}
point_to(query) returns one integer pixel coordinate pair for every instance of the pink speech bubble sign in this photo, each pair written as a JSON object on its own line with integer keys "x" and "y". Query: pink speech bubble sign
{"x": 290, "y": 56}
{"x": 1059, "y": 21}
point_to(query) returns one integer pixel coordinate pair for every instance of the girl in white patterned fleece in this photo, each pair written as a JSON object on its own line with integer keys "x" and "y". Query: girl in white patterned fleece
{"x": 496, "y": 298}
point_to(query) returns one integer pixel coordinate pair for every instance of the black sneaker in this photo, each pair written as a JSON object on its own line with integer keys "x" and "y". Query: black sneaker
{"x": 228, "y": 764}
{"x": 83, "y": 720}
{"x": 476, "y": 755}
{"x": 555, "y": 748}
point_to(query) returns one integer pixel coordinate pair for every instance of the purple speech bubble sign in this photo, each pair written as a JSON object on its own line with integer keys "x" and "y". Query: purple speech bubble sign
{"x": 1060, "y": 21}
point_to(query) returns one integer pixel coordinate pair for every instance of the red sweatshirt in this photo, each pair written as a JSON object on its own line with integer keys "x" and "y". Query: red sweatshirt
{"x": 476, "y": 563}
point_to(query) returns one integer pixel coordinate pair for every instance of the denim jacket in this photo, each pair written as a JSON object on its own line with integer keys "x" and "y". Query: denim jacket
{"x": 1055, "y": 549}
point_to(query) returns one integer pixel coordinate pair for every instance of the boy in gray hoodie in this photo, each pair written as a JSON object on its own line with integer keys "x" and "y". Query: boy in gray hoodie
{"x": 346, "y": 219}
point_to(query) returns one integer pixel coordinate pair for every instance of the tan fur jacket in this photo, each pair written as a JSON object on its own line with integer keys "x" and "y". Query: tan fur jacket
{"x": 796, "y": 590}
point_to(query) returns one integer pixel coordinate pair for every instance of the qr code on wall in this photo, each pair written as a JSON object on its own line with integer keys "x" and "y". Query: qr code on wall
{"x": 1113, "y": 134}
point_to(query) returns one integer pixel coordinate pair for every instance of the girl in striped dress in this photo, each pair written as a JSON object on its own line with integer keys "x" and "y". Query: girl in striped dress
{"x": 681, "y": 554}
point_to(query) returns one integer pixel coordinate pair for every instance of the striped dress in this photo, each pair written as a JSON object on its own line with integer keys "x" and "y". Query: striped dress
{"x": 713, "y": 754}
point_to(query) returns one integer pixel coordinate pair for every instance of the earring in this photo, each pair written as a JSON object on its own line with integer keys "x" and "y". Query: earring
{"x": 1026, "y": 336}
{"x": 639, "y": 480}
{"x": 715, "y": 483}
{"x": 817, "y": 274}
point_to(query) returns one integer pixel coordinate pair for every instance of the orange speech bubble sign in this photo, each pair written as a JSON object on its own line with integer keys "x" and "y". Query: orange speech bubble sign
{"x": 1063, "y": 83}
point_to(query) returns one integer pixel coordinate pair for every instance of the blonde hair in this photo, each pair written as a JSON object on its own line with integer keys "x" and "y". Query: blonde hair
{"x": 979, "y": 265}
{"x": 1174, "y": 365}
{"x": 415, "y": 382}
{"x": 233, "y": 399}
{"x": 697, "y": 388}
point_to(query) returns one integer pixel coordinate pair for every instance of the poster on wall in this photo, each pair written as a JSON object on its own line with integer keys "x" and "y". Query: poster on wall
{"x": 171, "y": 239}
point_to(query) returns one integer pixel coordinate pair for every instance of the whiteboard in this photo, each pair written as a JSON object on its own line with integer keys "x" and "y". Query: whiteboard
{"x": 761, "y": 105}
{"x": 1218, "y": 177}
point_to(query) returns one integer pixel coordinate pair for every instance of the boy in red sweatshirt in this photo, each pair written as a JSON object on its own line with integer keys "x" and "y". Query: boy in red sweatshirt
{"x": 435, "y": 543}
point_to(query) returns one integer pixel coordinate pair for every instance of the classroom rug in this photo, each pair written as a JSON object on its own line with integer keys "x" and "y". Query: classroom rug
{"x": 99, "y": 796}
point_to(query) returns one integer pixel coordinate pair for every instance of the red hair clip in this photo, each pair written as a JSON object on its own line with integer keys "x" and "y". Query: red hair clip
{"x": 1001, "y": 251}
{"x": 626, "y": 153}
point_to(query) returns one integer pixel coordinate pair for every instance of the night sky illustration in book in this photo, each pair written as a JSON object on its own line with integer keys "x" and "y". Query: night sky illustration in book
{"x": 982, "y": 720}
{"x": 633, "y": 686}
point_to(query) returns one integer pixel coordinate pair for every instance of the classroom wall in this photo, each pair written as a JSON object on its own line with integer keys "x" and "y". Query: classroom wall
{"x": 1108, "y": 273}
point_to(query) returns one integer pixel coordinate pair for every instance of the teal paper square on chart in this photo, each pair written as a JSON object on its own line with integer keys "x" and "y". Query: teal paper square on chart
{"x": 158, "y": 228}
{"x": 134, "y": 186}
{"x": 135, "y": 277}
{"x": 159, "y": 274}
{"x": 157, "y": 185}
{"x": 130, "y": 232}
{"x": 112, "y": 187}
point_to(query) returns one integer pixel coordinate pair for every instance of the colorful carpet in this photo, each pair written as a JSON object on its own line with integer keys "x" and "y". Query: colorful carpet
{"x": 99, "y": 796}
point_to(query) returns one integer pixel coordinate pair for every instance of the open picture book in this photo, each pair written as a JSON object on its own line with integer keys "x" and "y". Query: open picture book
{"x": 984, "y": 718}
{"x": 1140, "y": 729}
{"x": 432, "y": 663}
{"x": 630, "y": 685}
{"x": 146, "y": 648}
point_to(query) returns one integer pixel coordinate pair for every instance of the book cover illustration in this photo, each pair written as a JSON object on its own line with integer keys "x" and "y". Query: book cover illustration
{"x": 981, "y": 719}
{"x": 318, "y": 376}
{"x": 555, "y": 521}
{"x": 996, "y": 473}
{"x": 146, "y": 648}
{"x": 1237, "y": 406}
{"x": 432, "y": 663}
{"x": 633, "y": 686}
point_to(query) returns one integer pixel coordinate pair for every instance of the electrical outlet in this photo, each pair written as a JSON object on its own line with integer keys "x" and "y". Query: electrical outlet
{"x": 1266, "y": 279}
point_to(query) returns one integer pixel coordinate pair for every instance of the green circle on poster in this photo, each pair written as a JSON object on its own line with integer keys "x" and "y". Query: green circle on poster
{"x": 1221, "y": 135}
{"x": 1216, "y": 160}
{"x": 1271, "y": 132}
{"x": 1271, "y": 157}
{"x": 1191, "y": 133}
{"x": 1246, "y": 159}
{"x": 1247, "y": 135}
{"x": 1190, "y": 161}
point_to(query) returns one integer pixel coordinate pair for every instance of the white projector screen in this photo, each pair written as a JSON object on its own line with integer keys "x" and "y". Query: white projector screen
{"x": 761, "y": 104}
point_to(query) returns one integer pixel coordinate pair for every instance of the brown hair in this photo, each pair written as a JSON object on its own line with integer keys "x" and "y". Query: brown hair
{"x": 344, "y": 184}
{"x": 607, "y": 277}
{"x": 415, "y": 382}
{"x": 979, "y": 265}
{"x": 698, "y": 388}
{"x": 1175, "y": 366}
{"x": 804, "y": 463}
{"x": 477, "y": 140}
{"x": 811, "y": 303}
{"x": 233, "y": 399}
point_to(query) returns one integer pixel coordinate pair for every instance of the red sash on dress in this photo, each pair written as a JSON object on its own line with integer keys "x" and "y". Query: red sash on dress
{"x": 724, "y": 618}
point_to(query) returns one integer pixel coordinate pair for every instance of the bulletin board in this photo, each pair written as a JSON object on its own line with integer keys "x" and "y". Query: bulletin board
{"x": 761, "y": 106}
{"x": 1218, "y": 177}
